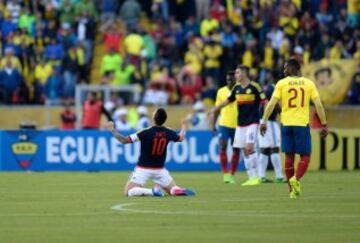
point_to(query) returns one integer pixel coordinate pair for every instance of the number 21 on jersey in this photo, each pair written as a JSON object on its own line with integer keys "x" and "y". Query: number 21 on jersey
{"x": 297, "y": 97}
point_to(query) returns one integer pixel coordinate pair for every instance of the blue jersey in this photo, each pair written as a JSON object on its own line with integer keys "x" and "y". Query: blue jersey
{"x": 269, "y": 90}
{"x": 154, "y": 141}
{"x": 248, "y": 101}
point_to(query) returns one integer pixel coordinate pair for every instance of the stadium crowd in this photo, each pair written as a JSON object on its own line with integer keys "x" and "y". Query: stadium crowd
{"x": 178, "y": 51}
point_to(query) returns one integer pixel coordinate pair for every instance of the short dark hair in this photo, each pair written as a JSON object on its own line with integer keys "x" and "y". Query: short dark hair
{"x": 160, "y": 116}
{"x": 293, "y": 64}
{"x": 230, "y": 74}
{"x": 244, "y": 67}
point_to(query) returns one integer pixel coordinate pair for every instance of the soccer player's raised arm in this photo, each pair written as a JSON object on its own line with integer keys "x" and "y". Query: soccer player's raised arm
{"x": 122, "y": 139}
{"x": 183, "y": 130}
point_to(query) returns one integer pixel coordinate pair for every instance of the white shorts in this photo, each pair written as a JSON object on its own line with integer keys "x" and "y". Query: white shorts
{"x": 141, "y": 175}
{"x": 245, "y": 135}
{"x": 271, "y": 139}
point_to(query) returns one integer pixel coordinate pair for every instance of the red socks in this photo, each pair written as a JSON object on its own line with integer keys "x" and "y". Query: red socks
{"x": 223, "y": 160}
{"x": 289, "y": 167}
{"x": 235, "y": 161}
{"x": 302, "y": 167}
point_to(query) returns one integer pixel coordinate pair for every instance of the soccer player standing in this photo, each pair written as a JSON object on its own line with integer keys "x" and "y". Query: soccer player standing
{"x": 226, "y": 129}
{"x": 248, "y": 96}
{"x": 294, "y": 94}
{"x": 269, "y": 144}
{"x": 151, "y": 165}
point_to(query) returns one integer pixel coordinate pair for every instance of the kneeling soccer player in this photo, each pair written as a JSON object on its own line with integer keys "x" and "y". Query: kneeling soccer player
{"x": 154, "y": 141}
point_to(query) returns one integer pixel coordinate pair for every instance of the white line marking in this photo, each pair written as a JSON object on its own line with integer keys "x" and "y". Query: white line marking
{"x": 124, "y": 208}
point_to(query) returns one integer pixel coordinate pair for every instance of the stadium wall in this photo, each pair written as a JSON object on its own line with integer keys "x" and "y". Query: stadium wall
{"x": 49, "y": 117}
{"x": 55, "y": 150}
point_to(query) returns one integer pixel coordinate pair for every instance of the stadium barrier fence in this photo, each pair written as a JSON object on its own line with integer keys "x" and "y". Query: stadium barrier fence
{"x": 80, "y": 150}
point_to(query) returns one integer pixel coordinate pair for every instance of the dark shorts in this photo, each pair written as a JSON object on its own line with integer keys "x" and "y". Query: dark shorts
{"x": 296, "y": 139}
{"x": 226, "y": 133}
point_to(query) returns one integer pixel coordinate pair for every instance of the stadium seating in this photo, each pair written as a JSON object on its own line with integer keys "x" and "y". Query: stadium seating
{"x": 48, "y": 47}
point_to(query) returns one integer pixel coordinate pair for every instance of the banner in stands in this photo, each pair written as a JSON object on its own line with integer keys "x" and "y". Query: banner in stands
{"x": 98, "y": 150}
{"x": 332, "y": 77}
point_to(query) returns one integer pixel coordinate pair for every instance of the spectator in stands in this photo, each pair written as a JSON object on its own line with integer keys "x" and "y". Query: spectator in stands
{"x": 54, "y": 50}
{"x": 212, "y": 53}
{"x": 14, "y": 9}
{"x": 52, "y": 89}
{"x": 121, "y": 120}
{"x": 86, "y": 7}
{"x": 68, "y": 117}
{"x": 217, "y": 11}
{"x": 354, "y": 92}
{"x": 134, "y": 43}
{"x": 189, "y": 85}
{"x": 208, "y": 25}
{"x": 10, "y": 58}
{"x": 208, "y": 94}
{"x": 67, "y": 11}
{"x": 10, "y": 80}
{"x": 124, "y": 75}
{"x": 92, "y": 110}
{"x": 161, "y": 89}
{"x": 130, "y": 13}
{"x": 191, "y": 27}
{"x": 108, "y": 9}
{"x": 198, "y": 119}
{"x": 111, "y": 62}
{"x": 70, "y": 68}
{"x": 202, "y": 9}
{"x": 160, "y": 9}
{"x": 27, "y": 20}
{"x": 112, "y": 36}
{"x": 144, "y": 120}
{"x": 43, "y": 70}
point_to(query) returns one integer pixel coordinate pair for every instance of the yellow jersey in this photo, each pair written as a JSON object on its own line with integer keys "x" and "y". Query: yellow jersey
{"x": 228, "y": 114}
{"x": 295, "y": 94}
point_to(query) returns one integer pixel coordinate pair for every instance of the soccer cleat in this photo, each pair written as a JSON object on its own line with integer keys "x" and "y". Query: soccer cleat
{"x": 184, "y": 192}
{"x": 189, "y": 192}
{"x": 247, "y": 183}
{"x": 157, "y": 192}
{"x": 227, "y": 178}
{"x": 232, "y": 179}
{"x": 280, "y": 180}
{"x": 252, "y": 182}
{"x": 295, "y": 186}
{"x": 265, "y": 180}
{"x": 292, "y": 195}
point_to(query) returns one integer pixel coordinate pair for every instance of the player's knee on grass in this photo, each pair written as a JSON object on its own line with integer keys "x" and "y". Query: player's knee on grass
{"x": 266, "y": 151}
{"x": 129, "y": 185}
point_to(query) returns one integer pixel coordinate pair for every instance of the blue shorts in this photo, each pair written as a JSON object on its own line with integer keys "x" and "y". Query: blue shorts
{"x": 226, "y": 133}
{"x": 296, "y": 139}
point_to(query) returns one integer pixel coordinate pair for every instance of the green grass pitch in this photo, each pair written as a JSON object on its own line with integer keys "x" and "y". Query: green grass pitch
{"x": 76, "y": 207}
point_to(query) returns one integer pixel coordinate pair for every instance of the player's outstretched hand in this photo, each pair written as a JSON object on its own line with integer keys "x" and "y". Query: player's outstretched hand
{"x": 324, "y": 132}
{"x": 110, "y": 126}
{"x": 263, "y": 129}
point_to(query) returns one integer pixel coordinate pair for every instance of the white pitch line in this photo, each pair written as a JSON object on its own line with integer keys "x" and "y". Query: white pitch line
{"x": 54, "y": 214}
{"x": 124, "y": 208}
